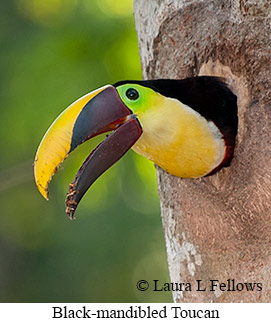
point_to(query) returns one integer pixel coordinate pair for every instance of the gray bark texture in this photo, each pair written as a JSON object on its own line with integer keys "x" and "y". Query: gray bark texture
{"x": 217, "y": 227}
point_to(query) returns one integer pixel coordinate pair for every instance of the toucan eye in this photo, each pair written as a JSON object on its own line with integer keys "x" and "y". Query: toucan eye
{"x": 132, "y": 94}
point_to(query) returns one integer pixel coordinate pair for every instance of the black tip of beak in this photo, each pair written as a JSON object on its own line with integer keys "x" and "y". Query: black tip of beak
{"x": 103, "y": 157}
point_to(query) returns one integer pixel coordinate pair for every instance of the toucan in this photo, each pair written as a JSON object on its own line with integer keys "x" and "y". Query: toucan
{"x": 188, "y": 127}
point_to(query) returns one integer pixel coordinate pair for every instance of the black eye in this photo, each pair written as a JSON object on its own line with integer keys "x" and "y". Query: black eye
{"x": 132, "y": 94}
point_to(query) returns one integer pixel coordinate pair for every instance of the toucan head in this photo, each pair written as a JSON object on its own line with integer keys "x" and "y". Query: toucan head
{"x": 187, "y": 127}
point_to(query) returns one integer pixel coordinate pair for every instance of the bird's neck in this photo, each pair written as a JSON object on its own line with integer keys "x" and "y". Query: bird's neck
{"x": 180, "y": 140}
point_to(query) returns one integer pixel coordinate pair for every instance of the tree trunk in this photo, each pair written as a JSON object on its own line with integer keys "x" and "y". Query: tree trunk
{"x": 217, "y": 227}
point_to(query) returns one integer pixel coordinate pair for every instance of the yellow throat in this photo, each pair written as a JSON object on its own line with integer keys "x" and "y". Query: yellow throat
{"x": 179, "y": 139}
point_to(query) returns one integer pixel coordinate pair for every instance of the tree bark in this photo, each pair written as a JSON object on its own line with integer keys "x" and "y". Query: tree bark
{"x": 217, "y": 227}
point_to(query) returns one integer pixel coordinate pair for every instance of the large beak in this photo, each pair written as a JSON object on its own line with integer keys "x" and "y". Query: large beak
{"x": 97, "y": 112}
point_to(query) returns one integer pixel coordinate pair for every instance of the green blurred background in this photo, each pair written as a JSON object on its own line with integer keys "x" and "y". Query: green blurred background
{"x": 53, "y": 52}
